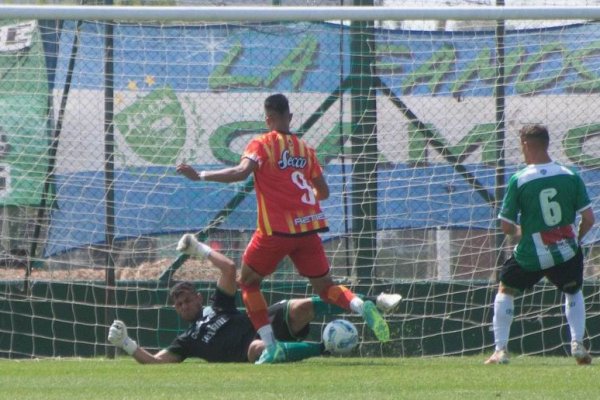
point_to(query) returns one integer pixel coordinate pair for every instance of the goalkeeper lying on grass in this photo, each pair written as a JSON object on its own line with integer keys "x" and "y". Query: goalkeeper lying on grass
{"x": 221, "y": 332}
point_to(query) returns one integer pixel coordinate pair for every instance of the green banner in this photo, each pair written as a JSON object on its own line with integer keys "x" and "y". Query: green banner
{"x": 154, "y": 127}
{"x": 23, "y": 114}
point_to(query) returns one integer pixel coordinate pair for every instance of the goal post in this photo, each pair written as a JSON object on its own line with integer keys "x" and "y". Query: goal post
{"x": 297, "y": 13}
{"x": 416, "y": 130}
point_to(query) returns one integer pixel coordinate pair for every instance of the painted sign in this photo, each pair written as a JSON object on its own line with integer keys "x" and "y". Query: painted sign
{"x": 194, "y": 94}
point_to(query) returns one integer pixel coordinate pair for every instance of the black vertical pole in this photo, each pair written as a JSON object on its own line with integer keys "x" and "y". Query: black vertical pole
{"x": 109, "y": 172}
{"x": 364, "y": 145}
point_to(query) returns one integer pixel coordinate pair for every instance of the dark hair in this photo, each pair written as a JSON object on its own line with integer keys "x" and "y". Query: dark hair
{"x": 181, "y": 287}
{"x": 278, "y": 103}
{"x": 535, "y": 132}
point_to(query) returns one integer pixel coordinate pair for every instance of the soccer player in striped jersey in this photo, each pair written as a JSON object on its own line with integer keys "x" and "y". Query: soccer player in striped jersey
{"x": 540, "y": 207}
{"x": 289, "y": 185}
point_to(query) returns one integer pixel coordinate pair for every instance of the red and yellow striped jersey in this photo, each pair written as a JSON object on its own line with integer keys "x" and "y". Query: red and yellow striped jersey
{"x": 283, "y": 183}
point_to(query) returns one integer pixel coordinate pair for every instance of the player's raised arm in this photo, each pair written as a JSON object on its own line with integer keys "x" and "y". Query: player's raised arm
{"x": 189, "y": 245}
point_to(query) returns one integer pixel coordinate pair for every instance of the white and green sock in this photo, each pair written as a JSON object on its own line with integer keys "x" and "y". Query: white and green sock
{"x": 575, "y": 313}
{"x": 503, "y": 316}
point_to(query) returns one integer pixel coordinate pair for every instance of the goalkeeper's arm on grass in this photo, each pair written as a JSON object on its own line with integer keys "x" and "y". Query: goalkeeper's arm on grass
{"x": 117, "y": 335}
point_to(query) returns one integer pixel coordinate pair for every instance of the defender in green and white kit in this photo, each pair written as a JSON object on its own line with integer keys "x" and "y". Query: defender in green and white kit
{"x": 548, "y": 197}
{"x": 541, "y": 205}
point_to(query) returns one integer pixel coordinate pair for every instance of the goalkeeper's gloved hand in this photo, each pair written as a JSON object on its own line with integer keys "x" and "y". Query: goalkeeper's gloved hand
{"x": 188, "y": 244}
{"x": 117, "y": 335}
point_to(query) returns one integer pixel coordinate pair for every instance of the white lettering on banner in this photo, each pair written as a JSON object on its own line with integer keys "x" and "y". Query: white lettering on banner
{"x": 395, "y": 139}
{"x": 309, "y": 218}
{"x": 17, "y": 37}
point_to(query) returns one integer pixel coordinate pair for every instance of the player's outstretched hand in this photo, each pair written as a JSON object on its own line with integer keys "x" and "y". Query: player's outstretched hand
{"x": 184, "y": 243}
{"x": 117, "y": 335}
{"x": 188, "y": 244}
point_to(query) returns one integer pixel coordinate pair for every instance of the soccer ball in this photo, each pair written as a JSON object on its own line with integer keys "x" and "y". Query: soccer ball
{"x": 340, "y": 336}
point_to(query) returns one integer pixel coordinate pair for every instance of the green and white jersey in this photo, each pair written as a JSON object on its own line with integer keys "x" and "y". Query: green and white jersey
{"x": 547, "y": 198}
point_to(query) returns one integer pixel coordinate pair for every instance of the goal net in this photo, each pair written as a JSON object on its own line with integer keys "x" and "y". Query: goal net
{"x": 414, "y": 118}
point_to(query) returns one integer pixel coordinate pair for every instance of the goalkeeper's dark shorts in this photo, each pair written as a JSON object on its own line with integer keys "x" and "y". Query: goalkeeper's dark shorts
{"x": 566, "y": 276}
{"x": 279, "y": 316}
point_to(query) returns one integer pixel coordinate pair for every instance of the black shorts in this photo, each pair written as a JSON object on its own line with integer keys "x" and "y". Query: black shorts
{"x": 278, "y": 314}
{"x": 566, "y": 276}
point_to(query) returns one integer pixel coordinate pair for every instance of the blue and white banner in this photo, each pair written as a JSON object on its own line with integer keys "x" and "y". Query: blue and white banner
{"x": 194, "y": 94}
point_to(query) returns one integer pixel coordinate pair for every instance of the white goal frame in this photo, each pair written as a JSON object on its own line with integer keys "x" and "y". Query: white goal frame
{"x": 283, "y": 13}
{"x": 421, "y": 304}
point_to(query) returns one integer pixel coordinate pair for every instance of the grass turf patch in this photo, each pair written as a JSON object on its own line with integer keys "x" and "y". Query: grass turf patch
{"x": 319, "y": 378}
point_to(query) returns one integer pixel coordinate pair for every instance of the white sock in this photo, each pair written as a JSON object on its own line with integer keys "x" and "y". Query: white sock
{"x": 575, "y": 312}
{"x": 503, "y": 316}
{"x": 356, "y": 305}
{"x": 266, "y": 335}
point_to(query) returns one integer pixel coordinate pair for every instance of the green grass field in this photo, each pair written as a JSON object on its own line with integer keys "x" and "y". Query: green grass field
{"x": 321, "y": 378}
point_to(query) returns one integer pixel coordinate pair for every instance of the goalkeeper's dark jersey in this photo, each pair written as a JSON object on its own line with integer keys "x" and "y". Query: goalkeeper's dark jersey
{"x": 222, "y": 334}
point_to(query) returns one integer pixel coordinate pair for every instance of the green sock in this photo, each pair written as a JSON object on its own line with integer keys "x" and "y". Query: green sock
{"x": 323, "y": 309}
{"x": 296, "y": 351}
